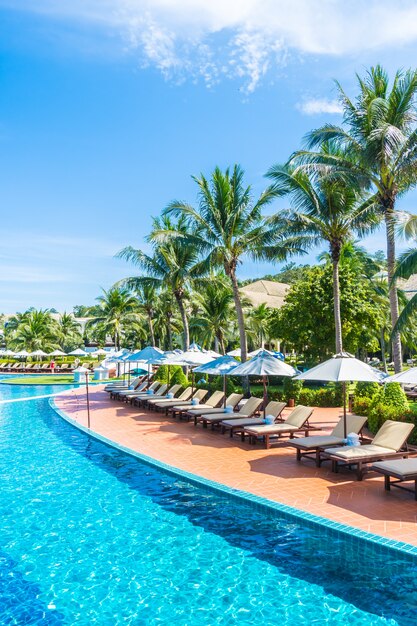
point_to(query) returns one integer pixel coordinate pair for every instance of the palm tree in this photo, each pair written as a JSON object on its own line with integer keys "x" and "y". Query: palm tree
{"x": 323, "y": 209}
{"x": 147, "y": 296}
{"x": 69, "y": 332}
{"x": 118, "y": 311}
{"x": 378, "y": 144}
{"x": 215, "y": 315}
{"x": 226, "y": 225}
{"x": 34, "y": 330}
{"x": 171, "y": 266}
{"x": 258, "y": 324}
{"x": 407, "y": 265}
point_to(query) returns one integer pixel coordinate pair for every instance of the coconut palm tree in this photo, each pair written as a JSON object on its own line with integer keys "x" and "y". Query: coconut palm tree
{"x": 69, "y": 331}
{"x": 171, "y": 266}
{"x": 378, "y": 144}
{"x": 147, "y": 297}
{"x": 258, "y": 319}
{"x": 215, "y": 314}
{"x": 226, "y": 225}
{"x": 118, "y": 311}
{"x": 34, "y": 330}
{"x": 323, "y": 209}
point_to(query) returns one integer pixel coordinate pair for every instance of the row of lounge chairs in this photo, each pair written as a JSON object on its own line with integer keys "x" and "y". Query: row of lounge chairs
{"x": 42, "y": 367}
{"x": 387, "y": 453}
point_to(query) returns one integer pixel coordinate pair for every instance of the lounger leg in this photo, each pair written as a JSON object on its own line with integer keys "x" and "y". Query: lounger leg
{"x": 267, "y": 443}
{"x": 298, "y": 454}
{"x": 359, "y": 471}
{"x": 415, "y": 489}
{"x": 335, "y": 467}
{"x": 387, "y": 483}
{"x": 318, "y": 459}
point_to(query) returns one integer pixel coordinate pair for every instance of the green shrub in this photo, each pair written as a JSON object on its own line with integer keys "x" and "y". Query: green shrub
{"x": 218, "y": 382}
{"x": 381, "y": 412}
{"x": 366, "y": 390}
{"x": 391, "y": 394}
{"x": 178, "y": 377}
{"x": 307, "y": 397}
{"x": 361, "y": 405}
{"x": 292, "y": 389}
{"x": 162, "y": 374}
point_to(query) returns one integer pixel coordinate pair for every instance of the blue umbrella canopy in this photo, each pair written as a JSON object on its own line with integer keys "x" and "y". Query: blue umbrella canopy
{"x": 219, "y": 367}
{"x": 264, "y": 364}
{"x": 147, "y": 355}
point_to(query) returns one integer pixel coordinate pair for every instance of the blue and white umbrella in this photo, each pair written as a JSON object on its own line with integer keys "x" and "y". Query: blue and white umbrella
{"x": 219, "y": 367}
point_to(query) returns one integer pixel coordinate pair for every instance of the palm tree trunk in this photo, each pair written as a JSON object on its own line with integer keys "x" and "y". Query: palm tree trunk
{"x": 336, "y": 307}
{"x": 393, "y": 297}
{"x": 183, "y": 313}
{"x": 242, "y": 332}
{"x": 169, "y": 332}
{"x": 383, "y": 347}
{"x": 151, "y": 331}
{"x": 240, "y": 318}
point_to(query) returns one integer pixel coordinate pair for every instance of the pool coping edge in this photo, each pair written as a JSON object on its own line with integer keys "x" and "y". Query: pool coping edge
{"x": 293, "y": 512}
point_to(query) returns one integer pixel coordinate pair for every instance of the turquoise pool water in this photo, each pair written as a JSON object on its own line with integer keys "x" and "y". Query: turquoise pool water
{"x": 90, "y": 535}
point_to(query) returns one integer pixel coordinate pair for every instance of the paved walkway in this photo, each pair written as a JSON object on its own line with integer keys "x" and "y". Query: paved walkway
{"x": 273, "y": 474}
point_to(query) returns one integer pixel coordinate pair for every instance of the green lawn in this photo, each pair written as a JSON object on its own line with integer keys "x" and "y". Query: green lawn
{"x": 59, "y": 379}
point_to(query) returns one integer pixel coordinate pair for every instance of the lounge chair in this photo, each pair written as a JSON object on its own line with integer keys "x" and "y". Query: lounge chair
{"x": 232, "y": 400}
{"x": 248, "y": 409}
{"x": 159, "y": 391}
{"x": 238, "y": 425}
{"x": 213, "y": 402}
{"x": 403, "y": 470}
{"x": 311, "y": 446}
{"x": 164, "y": 403}
{"x": 139, "y": 387}
{"x": 135, "y": 392}
{"x": 118, "y": 384}
{"x": 388, "y": 443}
{"x": 295, "y": 422}
{"x": 148, "y": 402}
{"x": 197, "y": 397}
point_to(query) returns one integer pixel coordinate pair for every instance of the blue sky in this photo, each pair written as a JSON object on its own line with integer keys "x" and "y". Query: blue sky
{"x": 108, "y": 106}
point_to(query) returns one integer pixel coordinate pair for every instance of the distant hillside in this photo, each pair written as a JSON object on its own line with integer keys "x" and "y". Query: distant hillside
{"x": 289, "y": 274}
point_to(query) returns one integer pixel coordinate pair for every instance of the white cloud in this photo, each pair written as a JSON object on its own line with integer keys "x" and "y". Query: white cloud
{"x": 317, "y": 106}
{"x": 244, "y": 38}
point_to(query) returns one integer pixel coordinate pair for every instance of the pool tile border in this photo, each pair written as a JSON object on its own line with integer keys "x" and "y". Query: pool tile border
{"x": 258, "y": 502}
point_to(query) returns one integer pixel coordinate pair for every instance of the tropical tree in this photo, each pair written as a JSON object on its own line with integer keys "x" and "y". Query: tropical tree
{"x": 324, "y": 209}
{"x": 69, "y": 332}
{"x": 378, "y": 150}
{"x": 147, "y": 297}
{"x": 170, "y": 266}
{"x": 226, "y": 225}
{"x": 167, "y": 324}
{"x": 215, "y": 316}
{"x": 34, "y": 330}
{"x": 118, "y": 312}
{"x": 258, "y": 319}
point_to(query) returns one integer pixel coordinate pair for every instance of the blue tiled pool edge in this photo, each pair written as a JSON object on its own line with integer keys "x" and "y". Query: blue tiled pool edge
{"x": 257, "y": 501}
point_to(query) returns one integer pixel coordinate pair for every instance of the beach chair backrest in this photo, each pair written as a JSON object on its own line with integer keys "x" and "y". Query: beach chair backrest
{"x": 354, "y": 424}
{"x": 275, "y": 408}
{"x": 215, "y": 398}
{"x": 186, "y": 394}
{"x": 155, "y": 385}
{"x": 234, "y": 399}
{"x": 162, "y": 389}
{"x": 393, "y": 435}
{"x": 299, "y": 416}
{"x": 174, "y": 389}
{"x": 251, "y": 406}
{"x": 200, "y": 394}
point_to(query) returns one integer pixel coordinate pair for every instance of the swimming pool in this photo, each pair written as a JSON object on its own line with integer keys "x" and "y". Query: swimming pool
{"x": 90, "y": 535}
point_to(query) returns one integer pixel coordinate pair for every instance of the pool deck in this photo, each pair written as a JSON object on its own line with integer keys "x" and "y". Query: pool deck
{"x": 272, "y": 474}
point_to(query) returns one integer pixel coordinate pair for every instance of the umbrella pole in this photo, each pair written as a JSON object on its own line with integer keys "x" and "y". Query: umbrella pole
{"x": 265, "y": 394}
{"x": 192, "y": 382}
{"x": 344, "y": 410}
{"x": 224, "y": 391}
{"x": 168, "y": 375}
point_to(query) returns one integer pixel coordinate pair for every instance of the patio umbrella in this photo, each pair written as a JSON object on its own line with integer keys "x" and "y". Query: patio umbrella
{"x": 10, "y": 353}
{"x": 219, "y": 367}
{"x": 78, "y": 352}
{"x": 38, "y": 353}
{"x": 409, "y": 377}
{"x": 99, "y": 352}
{"x": 343, "y": 368}
{"x": 148, "y": 355}
{"x": 236, "y": 352}
{"x": 193, "y": 358}
{"x": 264, "y": 364}
{"x": 57, "y": 353}
{"x": 22, "y": 353}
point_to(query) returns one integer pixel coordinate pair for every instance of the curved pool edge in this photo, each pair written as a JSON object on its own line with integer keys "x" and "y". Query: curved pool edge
{"x": 237, "y": 494}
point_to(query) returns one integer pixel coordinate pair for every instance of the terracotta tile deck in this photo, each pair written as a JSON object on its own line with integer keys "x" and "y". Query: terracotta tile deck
{"x": 273, "y": 474}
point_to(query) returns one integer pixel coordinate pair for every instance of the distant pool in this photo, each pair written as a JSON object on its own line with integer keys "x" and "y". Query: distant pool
{"x": 90, "y": 535}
